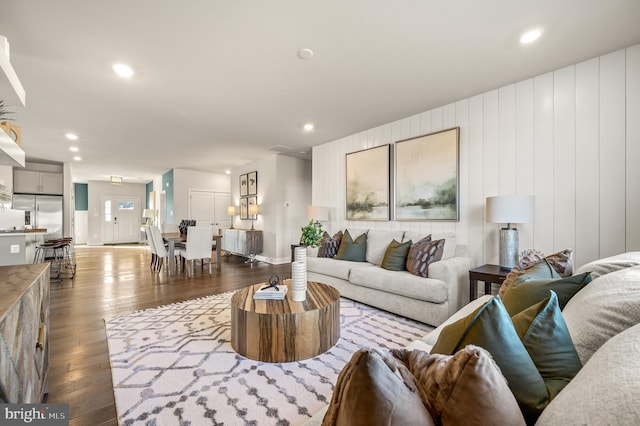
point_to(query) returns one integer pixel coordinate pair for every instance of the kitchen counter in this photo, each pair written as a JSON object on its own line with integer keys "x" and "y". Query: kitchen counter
{"x": 6, "y": 232}
{"x": 18, "y": 246}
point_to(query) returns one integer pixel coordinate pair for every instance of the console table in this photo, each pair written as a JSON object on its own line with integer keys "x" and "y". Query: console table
{"x": 243, "y": 242}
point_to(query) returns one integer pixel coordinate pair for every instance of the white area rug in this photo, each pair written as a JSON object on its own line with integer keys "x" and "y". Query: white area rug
{"x": 174, "y": 365}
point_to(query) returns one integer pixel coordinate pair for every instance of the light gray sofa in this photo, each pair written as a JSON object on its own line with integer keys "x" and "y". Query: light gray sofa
{"x": 604, "y": 323}
{"x": 430, "y": 300}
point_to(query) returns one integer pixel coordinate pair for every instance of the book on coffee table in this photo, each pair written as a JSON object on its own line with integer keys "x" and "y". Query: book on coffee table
{"x": 270, "y": 293}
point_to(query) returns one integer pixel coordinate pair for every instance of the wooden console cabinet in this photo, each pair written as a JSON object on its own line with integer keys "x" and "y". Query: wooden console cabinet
{"x": 244, "y": 242}
{"x": 24, "y": 333}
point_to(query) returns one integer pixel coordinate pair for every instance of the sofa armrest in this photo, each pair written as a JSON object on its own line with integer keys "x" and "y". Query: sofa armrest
{"x": 455, "y": 272}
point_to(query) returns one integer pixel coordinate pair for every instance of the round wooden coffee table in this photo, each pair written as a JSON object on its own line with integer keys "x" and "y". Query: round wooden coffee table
{"x": 284, "y": 330}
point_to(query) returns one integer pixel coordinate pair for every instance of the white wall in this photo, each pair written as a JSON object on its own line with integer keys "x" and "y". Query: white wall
{"x": 570, "y": 137}
{"x": 98, "y": 189}
{"x": 185, "y": 180}
{"x": 281, "y": 180}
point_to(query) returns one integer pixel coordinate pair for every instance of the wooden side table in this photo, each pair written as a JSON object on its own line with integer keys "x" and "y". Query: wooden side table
{"x": 487, "y": 273}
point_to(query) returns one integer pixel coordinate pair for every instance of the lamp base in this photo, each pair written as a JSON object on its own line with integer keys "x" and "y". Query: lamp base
{"x": 508, "y": 248}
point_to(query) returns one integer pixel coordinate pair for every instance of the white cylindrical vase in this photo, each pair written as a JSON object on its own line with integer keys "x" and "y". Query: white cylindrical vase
{"x": 299, "y": 281}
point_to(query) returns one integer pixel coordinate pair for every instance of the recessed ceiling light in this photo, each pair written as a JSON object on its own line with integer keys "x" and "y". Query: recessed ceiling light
{"x": 77, "y": 158}
{"x": 308, "y": 127}
{"x": 72, "y": 136}
{"x": 74, "y": 149}
{"x": 531, "y": 36}
{"x": 305, "y": 53}
{"x": 123, "y": 70}
{"x": 228, "y": 172}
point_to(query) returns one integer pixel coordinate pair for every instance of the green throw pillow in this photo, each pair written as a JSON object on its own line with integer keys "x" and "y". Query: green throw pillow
{"x": 395, "y": 258}
{"x": 534, "y": 377}
{"x": 349, "y": 249}
{"x": 526, "y": 291}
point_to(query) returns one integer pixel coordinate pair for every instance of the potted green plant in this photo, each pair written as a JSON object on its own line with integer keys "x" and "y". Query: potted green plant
{"x": 311, "y": 234}
{"x": 12, "y": 130}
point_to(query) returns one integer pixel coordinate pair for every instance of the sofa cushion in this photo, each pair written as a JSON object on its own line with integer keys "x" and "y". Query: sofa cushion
{"x": 604, "y": 308}
{"x": 371, "y": 390}
{"x": 448, "y": 237}
{"x": 526, "y": 291}
{"x": 353, "y": 250}
{"x": 606, "y": 390}
{"x": 329, "y": 245}
{"x": 534, "y": 377}
{"x": 400, "y": 282}
{"x": 463, "y": 389}
{"x": 611, "y": 264}
{"x": 395, "y": 258}
{"x": 530, "y": 261}
{"x": 333, "y": 267}
{"x": 377, "y": 243}
{"x": 422, "y": 254}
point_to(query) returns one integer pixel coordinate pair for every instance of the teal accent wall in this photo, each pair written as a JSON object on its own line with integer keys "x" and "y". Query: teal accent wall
{"x": 149, "y": 190}
{"x": 167, "y": 186}
{"x": 82, "y": 196}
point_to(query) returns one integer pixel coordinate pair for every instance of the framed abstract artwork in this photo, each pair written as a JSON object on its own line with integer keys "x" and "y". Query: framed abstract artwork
{"x": 244, "y": 188}
{"x": 244, "y": 209}
{"x": 426, "y": 177}
{"x": 252, "y": 183}
{"x": 367, "y": 182}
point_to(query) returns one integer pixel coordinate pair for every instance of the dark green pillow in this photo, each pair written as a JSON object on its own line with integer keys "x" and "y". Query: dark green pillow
{"x": 525, "y": 291}
{"x": 534, "y": 378}
{"x": 349, "y": 249}
{"x": 395, "y": 258}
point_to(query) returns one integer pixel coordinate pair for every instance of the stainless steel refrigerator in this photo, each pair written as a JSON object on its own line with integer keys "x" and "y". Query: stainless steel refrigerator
{"x": 41, "y": 211}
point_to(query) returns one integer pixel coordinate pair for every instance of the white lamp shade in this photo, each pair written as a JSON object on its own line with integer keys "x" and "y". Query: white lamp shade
{"x": 253, "y": 209}
{"x": 231, "y": 210}
{"x": 148, "y": 213}
{"x": 510, "y": 209}
{"x": 318, "y": 213}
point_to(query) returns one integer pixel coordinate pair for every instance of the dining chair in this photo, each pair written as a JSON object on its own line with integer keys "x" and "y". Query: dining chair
{"x": 152, "y": 247}
{"x": 198, "y": 246}
{"x": 161, "y": 250}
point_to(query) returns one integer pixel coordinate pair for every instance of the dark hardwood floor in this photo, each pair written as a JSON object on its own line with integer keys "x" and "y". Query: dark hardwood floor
{"x": 112, "y": 281}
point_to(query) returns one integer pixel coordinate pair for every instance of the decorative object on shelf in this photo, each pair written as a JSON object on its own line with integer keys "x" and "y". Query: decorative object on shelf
{"x": 510, "y": 209}
{"x": 426, "y": 171}
{"x": 252, "y": 183}
{"x": 10, "y": 129}
{"x": 252, "y": 210}
{"x": 149, "y": 215}
{"x": 243, "y": 186}
{"x": 311, "y": 234}
{"x": 231, "y": 211}
{"x": 299, "y": 275}
{"x": 368, "y": 184}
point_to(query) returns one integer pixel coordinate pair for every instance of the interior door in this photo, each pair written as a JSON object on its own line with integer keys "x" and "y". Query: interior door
{"x": 121, "y": 218}
{"x": 209, "y": 208}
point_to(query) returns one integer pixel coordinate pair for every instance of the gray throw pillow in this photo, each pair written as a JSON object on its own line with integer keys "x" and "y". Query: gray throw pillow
{"x": 423, "y": 253}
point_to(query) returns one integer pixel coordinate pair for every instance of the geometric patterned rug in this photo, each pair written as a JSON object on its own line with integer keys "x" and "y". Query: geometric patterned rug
{"x": 174, "y": 365}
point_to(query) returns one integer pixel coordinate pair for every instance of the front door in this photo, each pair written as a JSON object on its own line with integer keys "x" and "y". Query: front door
{"x": 121, "y": 219}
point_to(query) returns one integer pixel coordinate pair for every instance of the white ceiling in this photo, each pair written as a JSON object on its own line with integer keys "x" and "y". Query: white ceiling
{"x": 218, "y": 83}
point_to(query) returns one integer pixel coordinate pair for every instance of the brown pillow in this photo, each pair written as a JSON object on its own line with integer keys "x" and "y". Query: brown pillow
{"x": 375, "y": 389}
{"x": 422, "y": 253}
{"x": 462, "y": 389}
{"x": 329, "y": 245}
{"x": 561, "y": 262}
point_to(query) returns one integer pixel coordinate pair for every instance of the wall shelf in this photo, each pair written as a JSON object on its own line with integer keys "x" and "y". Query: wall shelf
{"x": 11, "y": 90}
{"x": 11, "y": 154}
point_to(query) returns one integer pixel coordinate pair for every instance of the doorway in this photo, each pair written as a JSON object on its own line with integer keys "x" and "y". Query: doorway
{"x": 210, "y": 207}
{"x": 121, "y": 219}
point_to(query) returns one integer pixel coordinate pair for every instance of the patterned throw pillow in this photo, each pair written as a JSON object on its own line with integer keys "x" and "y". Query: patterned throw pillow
{"x": 561, "y": 262}
{"x": 329, "y": 245}
{"x": 423, "y": 253}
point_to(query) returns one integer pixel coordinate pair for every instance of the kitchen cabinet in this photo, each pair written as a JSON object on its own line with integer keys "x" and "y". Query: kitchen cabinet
{"x": 37, "y": 182}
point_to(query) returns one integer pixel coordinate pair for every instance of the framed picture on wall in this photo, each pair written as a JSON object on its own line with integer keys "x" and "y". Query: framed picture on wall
{"x": 426, "y": 178}
{"x": 244, "y": 210}
{"x": 243, "y": 186}
{"x": 368, "y": 184}
{"x": 252, "y": 183}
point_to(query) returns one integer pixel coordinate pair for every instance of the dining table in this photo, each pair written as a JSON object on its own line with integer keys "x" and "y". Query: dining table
{"x": 175, "y": 237}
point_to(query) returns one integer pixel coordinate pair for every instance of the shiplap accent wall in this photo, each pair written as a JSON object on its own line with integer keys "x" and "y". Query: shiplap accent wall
{"x": 570, "y": 137}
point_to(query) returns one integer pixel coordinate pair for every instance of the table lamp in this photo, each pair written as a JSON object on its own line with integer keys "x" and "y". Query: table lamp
{"x": 253, "y": 212}
{"x": 510, "y": 209}
{"x": 148, "y": 214}
{"x": 318, "y": 213}
{"x": 231, "y": 211}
